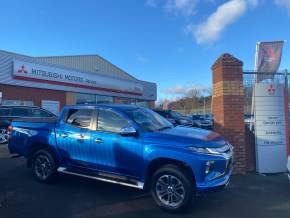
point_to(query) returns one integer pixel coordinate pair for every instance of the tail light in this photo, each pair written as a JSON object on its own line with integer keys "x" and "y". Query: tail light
{"x": 9, "y": 129}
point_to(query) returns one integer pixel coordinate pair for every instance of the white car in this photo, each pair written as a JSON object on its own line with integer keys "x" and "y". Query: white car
{"x": 288, "y": 167}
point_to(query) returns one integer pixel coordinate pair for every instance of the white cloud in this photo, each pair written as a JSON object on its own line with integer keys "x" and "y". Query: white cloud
{"x": 284, "y": 3}
{"x": 190, "y": 90}
{"x": 183, "y": 7}
{"x": 210, "y": 30}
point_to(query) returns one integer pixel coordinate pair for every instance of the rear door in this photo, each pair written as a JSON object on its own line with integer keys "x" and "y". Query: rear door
{"x": 73, "y": 136}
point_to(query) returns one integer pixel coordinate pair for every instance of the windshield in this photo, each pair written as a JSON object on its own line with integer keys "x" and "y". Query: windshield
{"x": 148, "y": 119}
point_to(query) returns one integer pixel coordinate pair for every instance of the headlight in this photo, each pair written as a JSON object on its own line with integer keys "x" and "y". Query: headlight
{"x": 202, "y": 150}
{"x": 224, "y": 149}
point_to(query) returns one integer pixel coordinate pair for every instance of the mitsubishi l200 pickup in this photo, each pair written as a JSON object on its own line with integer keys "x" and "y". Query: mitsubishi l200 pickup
{"x": 127, "y": 145}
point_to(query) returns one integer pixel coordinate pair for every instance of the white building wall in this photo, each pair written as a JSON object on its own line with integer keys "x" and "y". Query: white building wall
{"x": 6, "y": 70}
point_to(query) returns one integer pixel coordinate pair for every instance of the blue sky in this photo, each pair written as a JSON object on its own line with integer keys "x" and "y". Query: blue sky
{"x": 170, "y": 42}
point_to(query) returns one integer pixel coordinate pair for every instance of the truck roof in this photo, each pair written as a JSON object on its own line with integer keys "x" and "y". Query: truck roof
{"x": 108, "y": 106}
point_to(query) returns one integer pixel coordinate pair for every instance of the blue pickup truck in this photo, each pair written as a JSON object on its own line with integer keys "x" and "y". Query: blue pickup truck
{"x": 127, "y": 145}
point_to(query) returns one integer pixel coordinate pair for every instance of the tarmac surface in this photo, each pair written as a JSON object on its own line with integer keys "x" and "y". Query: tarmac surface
{"x": 21, "y": 196}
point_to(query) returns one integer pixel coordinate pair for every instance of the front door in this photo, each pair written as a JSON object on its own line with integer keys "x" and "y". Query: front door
{"x": 112, "y": 152}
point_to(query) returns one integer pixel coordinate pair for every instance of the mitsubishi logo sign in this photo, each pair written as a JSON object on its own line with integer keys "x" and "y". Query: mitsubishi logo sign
{"x": 269, "y": 54}
{"x": 39, "y": 73}
{"x": 271, "y": 89}
{"x": 22, "y": 70}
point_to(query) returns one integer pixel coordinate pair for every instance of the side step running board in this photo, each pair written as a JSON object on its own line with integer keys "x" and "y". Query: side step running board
{"x": 138, "y": 185}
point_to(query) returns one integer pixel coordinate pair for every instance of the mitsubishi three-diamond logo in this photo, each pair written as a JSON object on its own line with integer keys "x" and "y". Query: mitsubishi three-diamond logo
{"x": 22, "y": 70}
{"x": 271, "y": 89}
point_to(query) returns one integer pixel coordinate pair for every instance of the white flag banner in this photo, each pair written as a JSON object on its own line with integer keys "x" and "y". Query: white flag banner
{"x": 268, "y": 59}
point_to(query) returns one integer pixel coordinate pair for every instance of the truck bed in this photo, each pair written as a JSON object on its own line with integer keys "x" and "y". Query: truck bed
{"x": 36, "y": 119}
{"x": 27, "y": 131}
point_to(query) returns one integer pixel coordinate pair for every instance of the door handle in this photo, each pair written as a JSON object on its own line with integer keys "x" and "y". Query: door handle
{"x": 63, "y": 135}
{"x": 99, "y": 140}
{"x": 81, "y": 136}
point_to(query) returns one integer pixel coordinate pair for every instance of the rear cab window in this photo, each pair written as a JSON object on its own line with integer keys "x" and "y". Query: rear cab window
{"x": 80, "y": 118}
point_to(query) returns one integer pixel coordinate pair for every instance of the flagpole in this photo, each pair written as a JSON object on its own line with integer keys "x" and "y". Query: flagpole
{"x": 256, "y": 57}
{"x": 255, "y": 71}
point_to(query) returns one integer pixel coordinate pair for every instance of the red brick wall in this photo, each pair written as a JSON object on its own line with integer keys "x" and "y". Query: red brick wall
{"x": 32, "y": 94}
{"x": 228, "y": 106}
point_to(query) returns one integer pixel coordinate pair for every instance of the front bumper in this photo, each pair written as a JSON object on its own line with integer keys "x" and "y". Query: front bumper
{"x": 215, "y": 185}
{"x": 219, "y": 177}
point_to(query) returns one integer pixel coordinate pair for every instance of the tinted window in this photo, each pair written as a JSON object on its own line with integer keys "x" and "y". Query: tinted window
{"x": 79, "y": 117}
{"x": 4, "y": 112}
{"x": 109, "y": 121}
{"x": 20, "y": 112}
{"x": 40, "y": 113}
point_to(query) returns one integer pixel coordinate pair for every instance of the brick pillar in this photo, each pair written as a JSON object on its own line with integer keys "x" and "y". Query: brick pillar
{"x": 228, "y": 106}
{"x": 70, "y": 98}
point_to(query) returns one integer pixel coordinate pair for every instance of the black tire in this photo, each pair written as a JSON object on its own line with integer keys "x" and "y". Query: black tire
{"x": 187, "y": 193}
{"x": 43, "y": 166}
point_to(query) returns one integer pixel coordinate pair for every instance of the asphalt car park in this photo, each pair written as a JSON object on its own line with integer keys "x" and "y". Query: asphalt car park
{"x": 250, "y": 195}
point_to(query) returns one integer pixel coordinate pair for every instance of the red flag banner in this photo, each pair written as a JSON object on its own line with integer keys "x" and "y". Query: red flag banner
{"x": 268, "y": 59}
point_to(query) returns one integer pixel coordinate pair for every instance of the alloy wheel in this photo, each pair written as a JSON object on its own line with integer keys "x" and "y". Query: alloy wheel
{"x": 42, "y": 167}
{"x": 170, "y": 190}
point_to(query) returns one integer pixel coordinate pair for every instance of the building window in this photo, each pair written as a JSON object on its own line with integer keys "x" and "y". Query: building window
{"x": 101, "y": 99}
{"x": 142, "y": 103}
{"x": 93, "y": 99}
{"x": 17, "y": 102}
{"x": 85, "y": 98}
{"x": 126, "y": 101}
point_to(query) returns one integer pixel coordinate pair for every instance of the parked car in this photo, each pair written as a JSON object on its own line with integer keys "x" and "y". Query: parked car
{"x": 10, "y": 113}
{"x": 288, "y": 167}
{"x": 202, "y": 121}
{"x": 175, "y": 118}
{"x": 128, "y": 145}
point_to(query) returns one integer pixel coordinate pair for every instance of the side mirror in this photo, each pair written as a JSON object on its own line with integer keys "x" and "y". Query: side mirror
{"x": 127, "y": 131}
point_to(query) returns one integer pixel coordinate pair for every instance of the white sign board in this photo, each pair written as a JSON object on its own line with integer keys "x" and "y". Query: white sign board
{"x": 51, "y": 106}
{"x": 58, "y": 76}
{"x": 270, "y": 128}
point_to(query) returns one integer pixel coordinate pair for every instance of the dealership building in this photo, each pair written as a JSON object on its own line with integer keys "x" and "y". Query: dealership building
{"x": 54, "y": 81}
